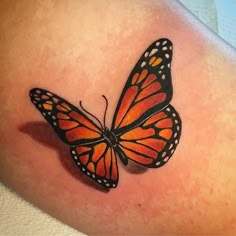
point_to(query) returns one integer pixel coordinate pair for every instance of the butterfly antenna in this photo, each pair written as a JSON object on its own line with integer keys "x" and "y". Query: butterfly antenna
{"x": 80, "y": 103}
{"x": 105, "y": 113}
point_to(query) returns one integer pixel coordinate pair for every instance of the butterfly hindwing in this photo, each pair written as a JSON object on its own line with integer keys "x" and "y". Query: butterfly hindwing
{"x": 98, "y": 161}
{"x": 72, "y": 126}
{"x": 148, "y": 88}
{"x": 153, "y": 142}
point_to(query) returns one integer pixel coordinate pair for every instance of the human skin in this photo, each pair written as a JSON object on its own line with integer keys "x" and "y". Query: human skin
{"x": 83, "y": 49}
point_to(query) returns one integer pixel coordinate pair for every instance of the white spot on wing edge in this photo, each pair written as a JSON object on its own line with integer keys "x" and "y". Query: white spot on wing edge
{"x": 166, "y": 159}
{"x": 143, "y": 63}
{"x": 171, "y": 146}
{"x": 164, "y": 43}
{"x": 158, "y": 163}
{"x": 154, "y": 50}
{"x": 163, "y": 154}
{"x": 49, "y": 94}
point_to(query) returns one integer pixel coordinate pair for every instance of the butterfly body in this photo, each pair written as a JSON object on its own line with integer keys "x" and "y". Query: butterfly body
{"x": 110, "y": 137}
{"x": 145, "y": 129}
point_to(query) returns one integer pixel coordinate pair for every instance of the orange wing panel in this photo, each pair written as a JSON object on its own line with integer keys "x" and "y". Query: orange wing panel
{"x": 151, "y": 78}
{"x": 100, "y": 169}
{"x": 114, "y": 169}
{"x": 139, "y": 148}
{"x": 166, "y": 133}
{"x": 81, "y": 133}
{"x": 141, "y": 107}
{"x": 67, "y": 124}
{"x": 152, "y": 88}
{"x": 62, "y": 116}
{"x": 137, "y": 158}
{"x": 155, "y": 118}
{"x": 165, "y": 123}
{"x": 99, "y": 150}
{"x": 84, "y": 159}
{"x": 108, "y": 163}
{"x": 142, "y": 76}
{"x": 83, "y": 149}
{"x": 155, "y": 144}
{"x": 81, "y": 119}
{"x": 126, "y": 103}
{"x": 91, "y": 167}
{"x": 138, "y": 133}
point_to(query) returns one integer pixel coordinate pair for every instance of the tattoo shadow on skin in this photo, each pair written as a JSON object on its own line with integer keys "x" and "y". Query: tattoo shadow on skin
{"x": 43, "y": 134}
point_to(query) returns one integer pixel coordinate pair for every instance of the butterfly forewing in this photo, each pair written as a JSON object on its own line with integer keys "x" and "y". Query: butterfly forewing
{"x": 72, "y": 126}
{"x": 148, "y": 88}
{"x": 154, "y": 141}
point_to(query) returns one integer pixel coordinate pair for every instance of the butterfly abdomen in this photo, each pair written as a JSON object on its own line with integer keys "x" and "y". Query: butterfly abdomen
{"x": 121, "y": 155}
{"x": 114, "y": 143}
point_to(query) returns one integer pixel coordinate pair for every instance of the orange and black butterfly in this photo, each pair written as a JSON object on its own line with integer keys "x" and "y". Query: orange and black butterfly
{"x": 145, "y": 129}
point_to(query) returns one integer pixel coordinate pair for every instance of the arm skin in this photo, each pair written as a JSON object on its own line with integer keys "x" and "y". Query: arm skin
{"x": 83, "y": 49}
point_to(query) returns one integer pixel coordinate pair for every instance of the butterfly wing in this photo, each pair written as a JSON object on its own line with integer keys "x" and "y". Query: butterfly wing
{"x": 147, "y": 126}
{"x": 72, "y": 126}
{"x": 90, "y": 151}
{"x": 154, "y": 141}
{"x": 148, "y": 88}
{"x": 98, "y": 161}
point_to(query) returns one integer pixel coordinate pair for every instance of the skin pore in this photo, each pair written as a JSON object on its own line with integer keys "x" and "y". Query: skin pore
{"x": 83, "y": 49}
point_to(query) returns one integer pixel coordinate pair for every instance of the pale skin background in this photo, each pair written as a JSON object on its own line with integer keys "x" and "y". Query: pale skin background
{"x": 83, "y": 49}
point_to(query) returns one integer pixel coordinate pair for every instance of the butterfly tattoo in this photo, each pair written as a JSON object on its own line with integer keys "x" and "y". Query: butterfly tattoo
{"x": 145, "y": 129}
